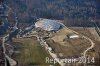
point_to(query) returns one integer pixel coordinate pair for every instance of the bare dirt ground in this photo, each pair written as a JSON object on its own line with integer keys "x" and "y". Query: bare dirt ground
{"x": 68, "y": 47}
{"x": 91, "y": 33}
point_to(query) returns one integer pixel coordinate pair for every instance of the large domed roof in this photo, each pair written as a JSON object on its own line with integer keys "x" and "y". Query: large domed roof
{"x": 48, "y": 24}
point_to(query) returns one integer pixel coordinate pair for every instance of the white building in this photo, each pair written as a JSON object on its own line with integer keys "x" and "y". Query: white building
{"x": 73, "y": 36}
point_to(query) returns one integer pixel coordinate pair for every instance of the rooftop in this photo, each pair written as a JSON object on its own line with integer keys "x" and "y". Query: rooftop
{"x": 48, "y": 24}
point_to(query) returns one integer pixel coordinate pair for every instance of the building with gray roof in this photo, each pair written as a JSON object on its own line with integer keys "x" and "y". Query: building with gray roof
{"x": 48, "y": 24}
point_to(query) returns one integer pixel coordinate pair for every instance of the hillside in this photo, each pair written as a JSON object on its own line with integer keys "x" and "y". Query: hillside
{"x": 73, "y": 12}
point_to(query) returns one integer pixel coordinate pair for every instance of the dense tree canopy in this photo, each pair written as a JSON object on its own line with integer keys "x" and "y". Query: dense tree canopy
{"x": 70, "y": 10}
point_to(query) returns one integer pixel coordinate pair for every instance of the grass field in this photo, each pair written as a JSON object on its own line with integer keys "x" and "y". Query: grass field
{"x": 31, "y": 53}
{"x": 71, "y": 49}
{"x": 65, "y": 47}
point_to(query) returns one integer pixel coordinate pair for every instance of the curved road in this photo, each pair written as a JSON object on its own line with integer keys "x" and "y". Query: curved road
{"x": 92, "y": 45}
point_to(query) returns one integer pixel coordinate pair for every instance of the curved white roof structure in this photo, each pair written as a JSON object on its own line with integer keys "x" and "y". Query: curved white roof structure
{"x": 48, "y": 24}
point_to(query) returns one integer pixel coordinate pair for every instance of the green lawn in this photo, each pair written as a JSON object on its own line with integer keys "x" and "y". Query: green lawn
{"x": 31, "y": 53}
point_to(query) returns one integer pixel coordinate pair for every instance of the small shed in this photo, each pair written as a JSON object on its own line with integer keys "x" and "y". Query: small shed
{"x": 73, "y": 36}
